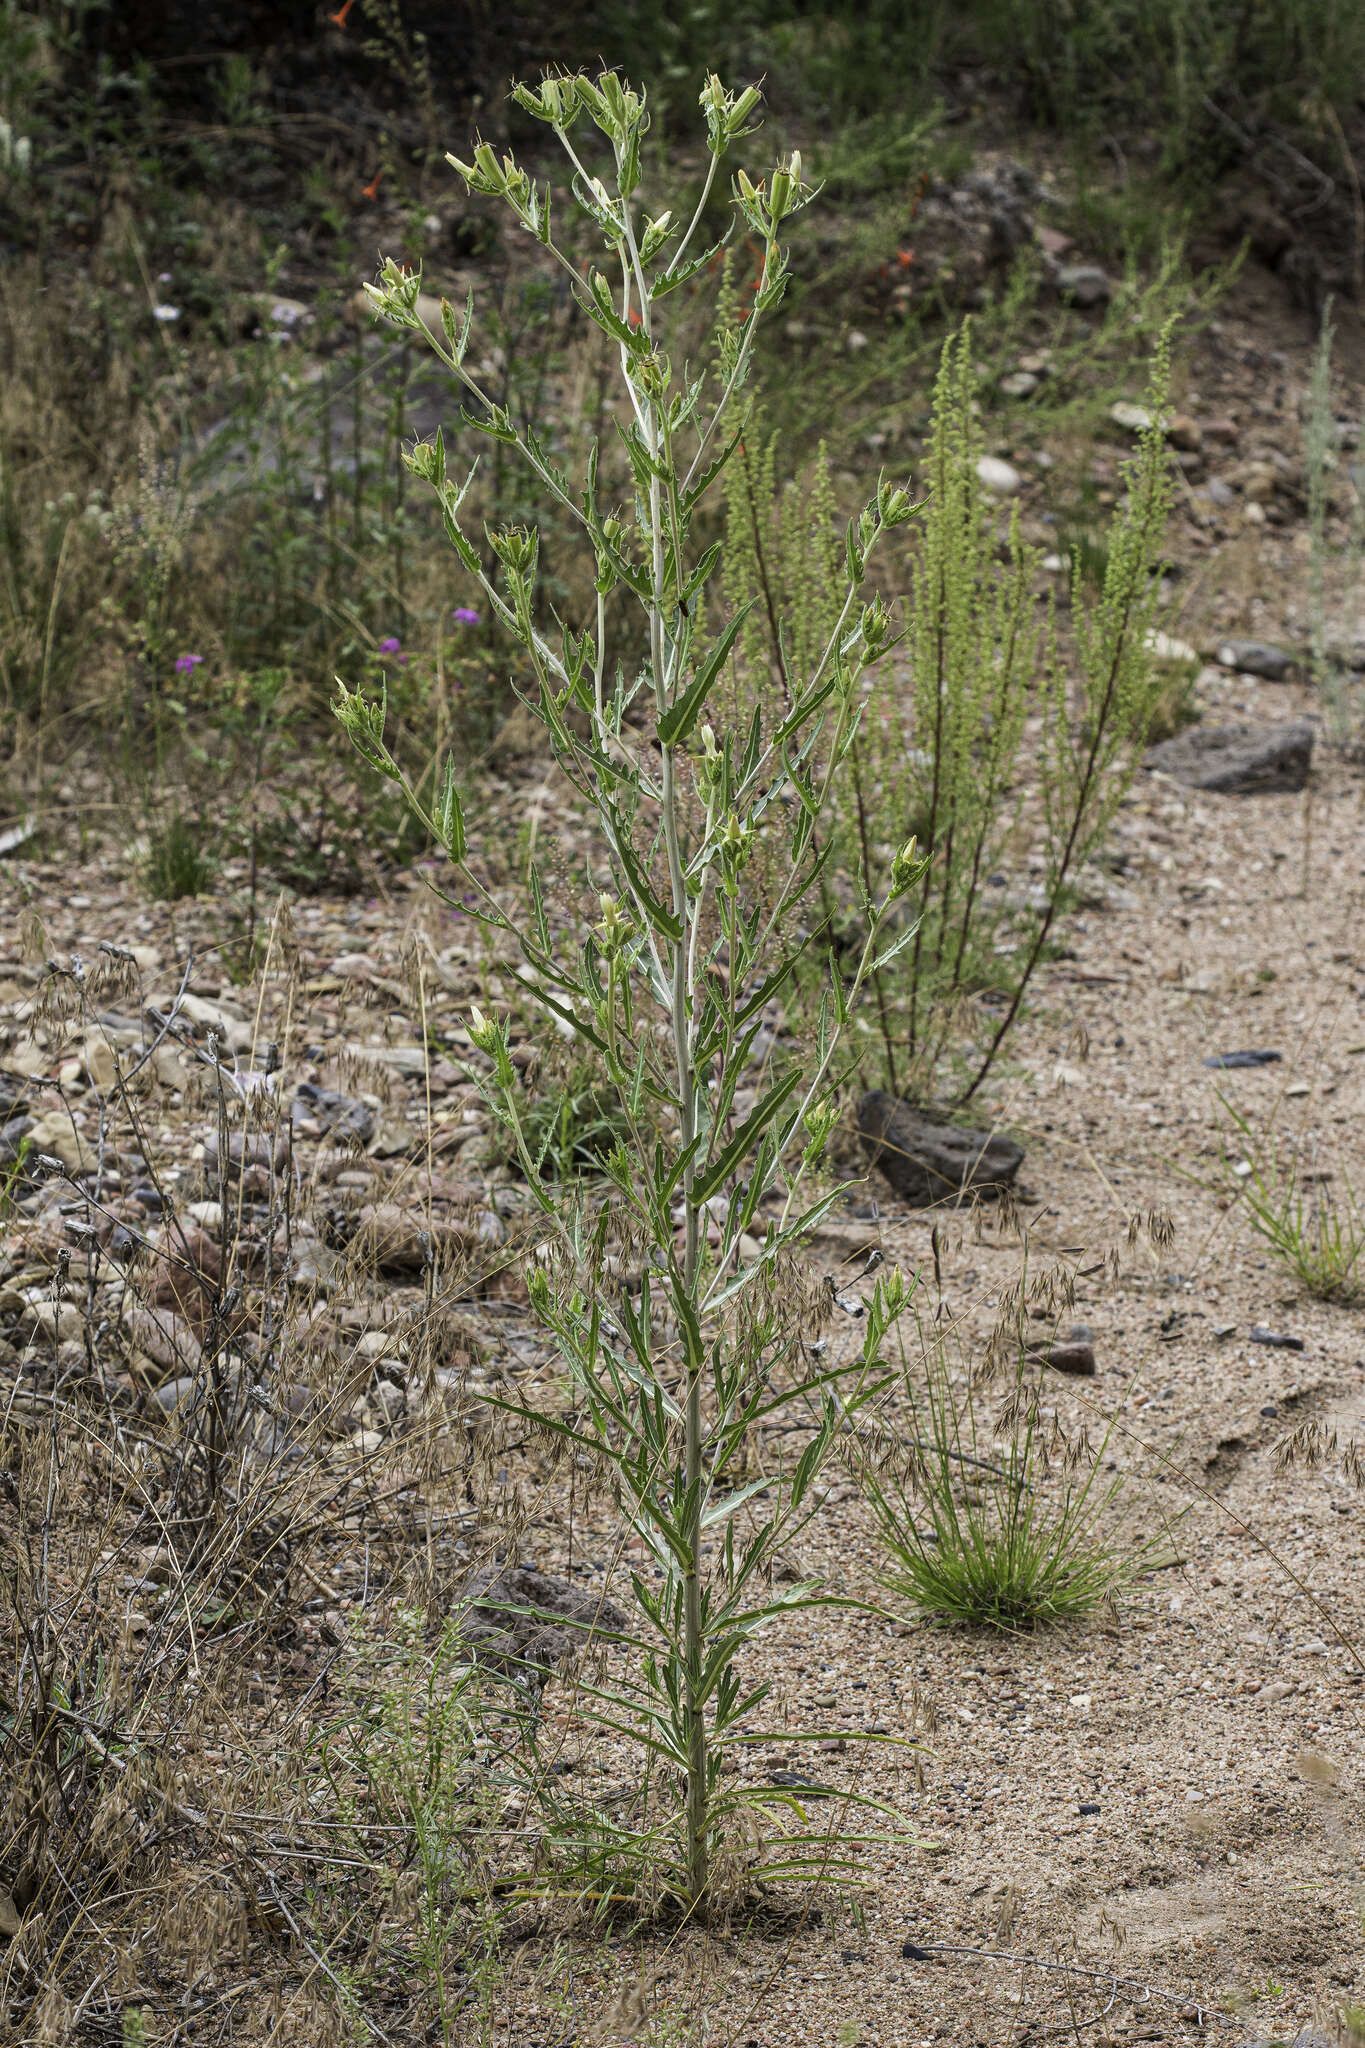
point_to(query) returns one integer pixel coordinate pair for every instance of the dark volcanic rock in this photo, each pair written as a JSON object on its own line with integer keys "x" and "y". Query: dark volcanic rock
{"x": 1255, "y": 658}
{"x": 1238, "y": 760}
{"x": 1074, "y": 1358}
{"x": 926, "y": 1161}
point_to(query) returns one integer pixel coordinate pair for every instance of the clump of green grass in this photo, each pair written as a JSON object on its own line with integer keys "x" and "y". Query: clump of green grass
{"x": 574, "y": 1129}
{"x": 995, "y": 1527}
{"x": 176, "y": 862}
{"x": 1319, "y": 1236}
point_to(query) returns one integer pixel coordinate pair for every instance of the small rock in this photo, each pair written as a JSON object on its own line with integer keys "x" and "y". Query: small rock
{"x": 391, "y": 1399}
{"x": 1019, "y": 384}
{"x": 377, "y": 1344}
{"x": 856, "y": 341}
{"x": 171, "y": 1393}
{"x": 405, "y": 1059}
{"x": 252, "y": 1149}
{"x": 1278, "y": 1340}
{"x": 1134, "y": 419}
{"x": 1076, "y": 1359}
{"x": 12, "y": 1136}
{"x": 1255, "y": 658}
{"x": 396, "y": 1240}
{"x": 1238, "y": 760}
{"x": 1000, "y": 478}
{"x": 1184, "y": 433}
{"x": 334, "y": 1112}
{"x": 926, "y": 1161}
{"x": 1084, "y": 285}
{"x": 1169, "y": 652}
{"x": 53, "y": 1135}
{"x": 1252, "y": 1058}
{"x": 1088, "y": 1806}
{"x": 98, "y": 1059}
{"x": 59, "y": 1320}
{"x": 228, "y": 1026}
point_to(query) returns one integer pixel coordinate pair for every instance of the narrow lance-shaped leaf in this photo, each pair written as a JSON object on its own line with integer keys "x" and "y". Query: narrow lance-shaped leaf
{"x": 746, "y": 1135}
{"x": 677, "y": 723}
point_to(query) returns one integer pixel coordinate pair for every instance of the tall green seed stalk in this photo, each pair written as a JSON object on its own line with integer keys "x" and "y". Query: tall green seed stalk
{"x": 669, "y": 987}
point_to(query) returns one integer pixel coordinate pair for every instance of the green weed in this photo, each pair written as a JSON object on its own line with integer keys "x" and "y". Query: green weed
{"x": 1320, "y": 1237}
{"x": 982, "y": 1528}
{"x": 668, "y": 986}
{"x": 177, "y": 862}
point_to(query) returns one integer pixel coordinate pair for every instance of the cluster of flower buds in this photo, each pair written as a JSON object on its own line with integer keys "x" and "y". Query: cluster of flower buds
{"x": 517, "y": 548}
{"x": 610, "y": 544}
{"x": 395, "y": 295}
{"x": 363, "y": 718}
{"x": 494, "y": 180}
{"x": 875, "y": 628}
{"x": 895, "y": 505}
{"x": 735, "y": 843}
{"x": 768, "y": 203}
{"x": 615, "y": 927}
{"x": 491, "y": 1038}
{"x": 709, "y": 766}
{"x": 819, "y": 1120}
{"x": 726, "y": 113}
{"x": 558, "y": 101}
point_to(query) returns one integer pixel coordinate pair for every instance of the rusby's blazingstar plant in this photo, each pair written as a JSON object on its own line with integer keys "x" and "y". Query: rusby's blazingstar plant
{"x": 678, "y": 1371}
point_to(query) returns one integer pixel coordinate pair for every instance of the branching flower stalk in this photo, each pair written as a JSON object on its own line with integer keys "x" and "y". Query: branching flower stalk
{"x": 676, "y": 1371}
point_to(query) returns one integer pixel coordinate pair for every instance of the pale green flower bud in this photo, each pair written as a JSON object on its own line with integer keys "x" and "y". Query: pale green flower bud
{"x": 906, "y": 868}
{"x": 615, "y": 928}
{"x": 655, "y": 235}
{"x": 895, "y": 505}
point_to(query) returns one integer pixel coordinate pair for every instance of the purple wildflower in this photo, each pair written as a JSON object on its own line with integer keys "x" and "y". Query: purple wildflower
{"x": 390, "y": 646}
{"x": 186, "y": 664}
{"x": 465, "y": 615}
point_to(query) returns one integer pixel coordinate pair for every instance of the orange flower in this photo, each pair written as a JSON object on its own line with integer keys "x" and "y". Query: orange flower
{"x": 372, "y": 189}
{"x": 905, "y": 257}
{"x": 633, "y": 317}
{"x": 340, "y": 16}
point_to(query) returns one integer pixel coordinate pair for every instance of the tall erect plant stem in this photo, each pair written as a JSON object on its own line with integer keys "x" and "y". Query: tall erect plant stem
{"x": 707, "y": 962}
